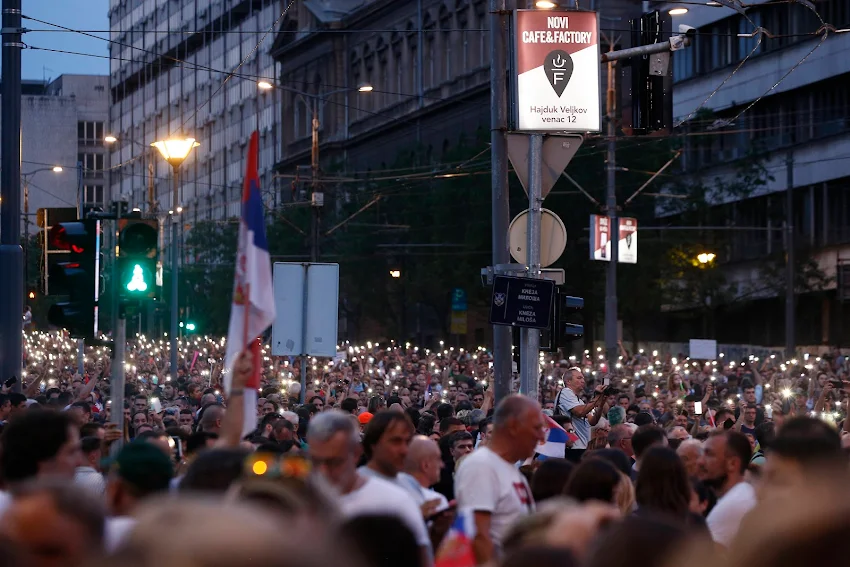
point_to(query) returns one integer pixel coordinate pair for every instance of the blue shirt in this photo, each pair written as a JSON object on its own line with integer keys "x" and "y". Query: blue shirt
{"x": 567, "y": 400}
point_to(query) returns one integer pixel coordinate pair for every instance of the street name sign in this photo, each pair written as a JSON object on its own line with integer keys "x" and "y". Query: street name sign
{"x": 522, "y": 302}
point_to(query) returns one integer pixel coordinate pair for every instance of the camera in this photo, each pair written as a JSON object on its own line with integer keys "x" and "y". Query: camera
{"x": 689, "y": 31}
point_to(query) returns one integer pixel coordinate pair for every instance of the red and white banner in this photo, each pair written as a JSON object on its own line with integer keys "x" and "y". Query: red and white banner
{"x": 557, "y": 71}
{"x": 600, "y": 239}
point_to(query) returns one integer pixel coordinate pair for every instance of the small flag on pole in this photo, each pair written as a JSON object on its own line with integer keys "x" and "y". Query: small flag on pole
{"x": 555, "y": 444}
{"x": 252, "y": 309}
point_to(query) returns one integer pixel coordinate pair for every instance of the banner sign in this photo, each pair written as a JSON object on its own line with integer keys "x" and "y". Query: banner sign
{"x": 600, "y": 239}
{"x": 557, "y": 71}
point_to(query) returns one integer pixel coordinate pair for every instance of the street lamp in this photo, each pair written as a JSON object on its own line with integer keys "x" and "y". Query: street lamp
{"x": 395, "y": 274}
{"x": 545, "y": 4}
{"x": 25, "y": 177}
{"x": 175, "y": 151}
{"x": 706, "y": 258}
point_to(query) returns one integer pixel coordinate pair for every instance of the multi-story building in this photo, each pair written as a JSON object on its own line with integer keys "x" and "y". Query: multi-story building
{"x": 428, "y": 63}
{"x": 191, "y": 68}
{"x": 783, "y": 96}
{"x": 62, "y": 124}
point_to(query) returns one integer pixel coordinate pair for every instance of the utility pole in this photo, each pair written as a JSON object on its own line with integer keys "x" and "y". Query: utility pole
{"x": 11, "y": 254}
{"x": 611, "y": 211}
{"x": 790, "y": 319}
{"x": 500, "y": 210}
{"x": 530, "y": 338}
{"x": 318, "y": 198}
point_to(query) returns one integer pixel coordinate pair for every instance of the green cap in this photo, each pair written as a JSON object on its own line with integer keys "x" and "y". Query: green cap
{"x": 143, "y": 466}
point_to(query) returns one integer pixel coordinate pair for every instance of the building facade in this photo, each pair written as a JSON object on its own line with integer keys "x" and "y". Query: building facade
{"x": 428, "y": 63}
{"x": 190, "y": 68}
{"x": 787, "y": 106}
{"x": 62, "y": 124}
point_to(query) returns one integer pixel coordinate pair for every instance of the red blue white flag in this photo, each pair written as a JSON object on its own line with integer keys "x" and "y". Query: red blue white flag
{"x": 252, "y": 309}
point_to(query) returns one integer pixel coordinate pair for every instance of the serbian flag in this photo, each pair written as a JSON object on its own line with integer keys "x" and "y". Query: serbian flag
{"x": 456, "y": 548}
{"x": 555, "y": 444}
{"x": 252, "y": 309}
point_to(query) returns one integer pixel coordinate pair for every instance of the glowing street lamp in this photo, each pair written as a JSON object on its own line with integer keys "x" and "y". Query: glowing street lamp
{"x": 545, "y": 4}
{"x": 175, "y": 151}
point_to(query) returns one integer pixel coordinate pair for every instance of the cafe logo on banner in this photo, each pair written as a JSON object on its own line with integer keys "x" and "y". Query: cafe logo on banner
{"x": 556, "y": 85}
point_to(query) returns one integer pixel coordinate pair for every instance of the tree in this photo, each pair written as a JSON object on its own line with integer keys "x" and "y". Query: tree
{"x": 206, "y": 280}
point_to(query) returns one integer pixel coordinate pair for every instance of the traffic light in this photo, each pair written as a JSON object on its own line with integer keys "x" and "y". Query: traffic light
{"x": 77, "y": 276}
{"x": 137, "y": 254}
{"x": 569, "y": 307}
{"x": 651, "y": 96}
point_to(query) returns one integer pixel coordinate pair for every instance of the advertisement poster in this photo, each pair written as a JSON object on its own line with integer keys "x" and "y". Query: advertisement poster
{"x": 600, "y": 239}
{"x": 557, "y": 71}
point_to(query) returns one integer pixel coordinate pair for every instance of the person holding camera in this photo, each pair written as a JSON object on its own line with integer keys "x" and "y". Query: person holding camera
{"x": 584, "y": 414}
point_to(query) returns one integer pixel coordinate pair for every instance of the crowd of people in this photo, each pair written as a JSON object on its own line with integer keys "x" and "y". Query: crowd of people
{"x": 392, "y": 455}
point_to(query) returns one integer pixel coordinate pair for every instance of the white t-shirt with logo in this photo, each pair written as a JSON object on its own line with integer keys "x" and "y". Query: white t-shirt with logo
{"x": 485, "y": 482}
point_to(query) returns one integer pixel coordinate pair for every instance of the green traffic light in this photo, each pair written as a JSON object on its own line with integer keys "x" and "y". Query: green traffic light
{"x": 190, "y": 326}
{"x": 137, "y": 283}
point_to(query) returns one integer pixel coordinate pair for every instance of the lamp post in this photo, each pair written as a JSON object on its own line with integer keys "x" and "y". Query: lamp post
{"x": 175, "y": 151}
{"x": 317, "y": 198}
{"x": 25, "y": 177}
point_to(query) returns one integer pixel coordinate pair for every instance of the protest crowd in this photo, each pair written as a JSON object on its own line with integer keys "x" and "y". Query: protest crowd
{"x": 396, "y": 455}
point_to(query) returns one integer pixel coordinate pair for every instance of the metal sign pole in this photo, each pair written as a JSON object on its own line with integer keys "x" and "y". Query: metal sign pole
{"x": 530, "y": 338}
{"x": 304, "y": 338}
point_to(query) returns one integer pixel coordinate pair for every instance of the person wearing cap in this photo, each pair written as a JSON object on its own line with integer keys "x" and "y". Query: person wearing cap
{"x": 140, "y": 471}
{"x": 364, "y": 419}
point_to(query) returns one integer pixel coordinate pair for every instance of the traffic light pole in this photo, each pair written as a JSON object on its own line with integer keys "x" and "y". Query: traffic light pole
{"x": 116, "y": 415}
{"x": 11, "y": 254}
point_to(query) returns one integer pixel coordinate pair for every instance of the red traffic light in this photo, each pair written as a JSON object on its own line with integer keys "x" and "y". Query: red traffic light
{"x": 72, "y": 236}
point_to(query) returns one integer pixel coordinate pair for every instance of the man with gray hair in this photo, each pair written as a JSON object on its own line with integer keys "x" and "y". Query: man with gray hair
{"x": 488, "y": 481}
{"x": 334, "y": 447}
{"x": 690, "y": 452}
{"x": 620, "y": 437}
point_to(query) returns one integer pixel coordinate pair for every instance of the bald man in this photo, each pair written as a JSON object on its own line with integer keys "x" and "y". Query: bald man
{"x": 488, "y": 481}
{"x": 422, "y": 470}
{"x": 690, "y": 451}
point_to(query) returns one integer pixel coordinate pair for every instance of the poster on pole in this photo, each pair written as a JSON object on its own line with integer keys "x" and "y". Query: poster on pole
{"x": 600, "y": 239}
{"x": 627, "y": 249}
{"x": 556, "y": 87}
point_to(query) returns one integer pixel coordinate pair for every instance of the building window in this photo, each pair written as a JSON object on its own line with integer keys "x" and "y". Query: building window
{"x": 88, "y": 132}
{"x": 93, "y": 194}
{"x": 91, "y": 162}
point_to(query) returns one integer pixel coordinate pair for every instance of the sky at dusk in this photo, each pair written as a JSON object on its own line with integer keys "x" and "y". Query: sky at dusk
{"x": 75, "y": 14}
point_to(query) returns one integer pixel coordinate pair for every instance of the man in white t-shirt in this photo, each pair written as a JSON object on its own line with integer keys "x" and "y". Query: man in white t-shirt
{"x": 724, "y": 460}
{"x": 385, "y": 443}
{"x": 489, "y": 482}
{"x": 334, "y": 447}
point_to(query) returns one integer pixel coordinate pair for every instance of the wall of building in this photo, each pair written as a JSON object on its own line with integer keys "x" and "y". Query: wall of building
{"x": 167, "y": 82}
